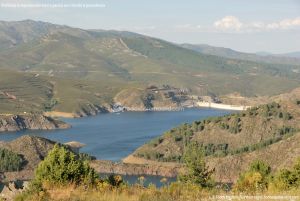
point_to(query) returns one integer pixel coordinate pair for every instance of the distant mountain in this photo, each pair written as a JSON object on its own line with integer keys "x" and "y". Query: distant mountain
{"x": 264, "y": 57}
{"x": 15, "y": 33}
{"x": 76, "y": 70}
{"x": 293, "y": 54}
{"x": 290, "y": 54}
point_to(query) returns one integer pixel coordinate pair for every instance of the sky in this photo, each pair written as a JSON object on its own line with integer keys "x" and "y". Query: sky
{"x": 243, "y": 25}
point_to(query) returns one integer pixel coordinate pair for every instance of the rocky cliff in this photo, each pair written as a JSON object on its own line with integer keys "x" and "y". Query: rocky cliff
{"x": 30, "y": 121}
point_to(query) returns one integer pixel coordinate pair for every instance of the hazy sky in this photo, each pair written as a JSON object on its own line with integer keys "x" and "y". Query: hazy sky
{"x": 245, "y": 25}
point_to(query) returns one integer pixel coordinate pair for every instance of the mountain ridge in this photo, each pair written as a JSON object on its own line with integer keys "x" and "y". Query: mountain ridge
{"x": 233, "y": 54}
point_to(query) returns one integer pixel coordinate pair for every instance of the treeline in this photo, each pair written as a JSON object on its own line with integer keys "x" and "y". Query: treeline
{"x": 279, "y": 135}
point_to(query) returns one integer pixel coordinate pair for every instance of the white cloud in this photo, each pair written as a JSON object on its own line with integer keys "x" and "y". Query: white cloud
{"x": 229, "y": 23}
{"x": 285, "y": 24}
{"x": 234, "y": 24}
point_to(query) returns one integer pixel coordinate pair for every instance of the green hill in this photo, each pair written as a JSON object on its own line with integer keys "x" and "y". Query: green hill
{"x": 82, "y": 71}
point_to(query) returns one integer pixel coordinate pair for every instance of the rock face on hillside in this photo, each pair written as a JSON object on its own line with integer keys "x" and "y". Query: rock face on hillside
{"x": 91, "y": 110}
{"x": 31, "y": 122}
{"x": 151, "y": 98}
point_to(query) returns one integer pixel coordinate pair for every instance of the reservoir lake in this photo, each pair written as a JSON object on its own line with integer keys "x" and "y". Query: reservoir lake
{"x": 114, "y": 136}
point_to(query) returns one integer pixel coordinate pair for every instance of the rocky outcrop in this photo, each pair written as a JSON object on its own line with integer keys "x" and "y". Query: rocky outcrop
{"x": 29, "y": 121}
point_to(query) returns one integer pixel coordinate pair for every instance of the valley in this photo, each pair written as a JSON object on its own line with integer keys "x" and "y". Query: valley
{"x": 198, "y": 114}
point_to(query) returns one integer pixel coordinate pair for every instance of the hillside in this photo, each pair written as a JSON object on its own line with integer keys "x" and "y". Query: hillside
{"x": 31, "y": 92}
{"x": 233, "y": 141}
{"x": 15, "y": 33}
{"x": 232, "y": 134}
{"x": 125, "y": 60}
{"x": 290, "y": 59}
{"x": 151, "y": 98}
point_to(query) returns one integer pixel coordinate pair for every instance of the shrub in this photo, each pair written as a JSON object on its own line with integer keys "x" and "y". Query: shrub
{"x": 9, "y": 161}
{"x": 115, "y": 180}
{"x": 261, "y": 167}
{"x": 256, "y": 179}
{"x": 61, "y": 166}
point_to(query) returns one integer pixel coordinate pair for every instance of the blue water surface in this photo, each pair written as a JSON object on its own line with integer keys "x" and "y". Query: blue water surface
{"x": 114, "y": 136}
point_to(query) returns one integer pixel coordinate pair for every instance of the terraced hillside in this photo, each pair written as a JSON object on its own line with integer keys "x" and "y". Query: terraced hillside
{"x": 21, "y": 92}
{"x": 24, "y": 92}
{"x": 72, "y": 53}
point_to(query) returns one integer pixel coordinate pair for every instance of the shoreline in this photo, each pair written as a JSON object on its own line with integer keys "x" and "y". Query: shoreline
{"x": 69, "y": 115}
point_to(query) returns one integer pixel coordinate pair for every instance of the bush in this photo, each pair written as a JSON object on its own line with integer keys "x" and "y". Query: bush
{"x": 288, "y": 179}
{"x": 9, "y": 161}
{"x": 61, "y": 166}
